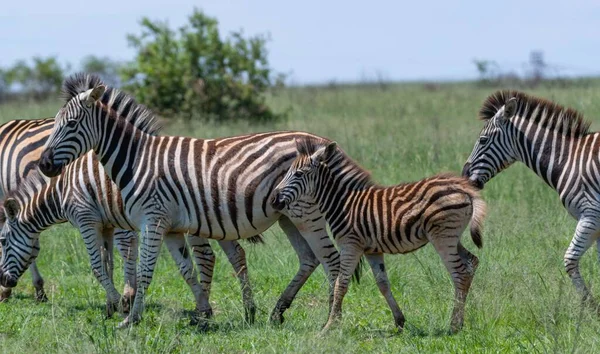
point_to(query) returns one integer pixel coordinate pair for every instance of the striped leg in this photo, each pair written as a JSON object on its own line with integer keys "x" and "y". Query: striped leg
{"x": 461, "y": 265}
{"x": 378, "y": 268}
{"x": 237, "y": 257}
{"x": 152, "y": 234}
{"x": 108, "y": 263}
{"x": 204, "y": 258}
{"x": 179, "y": 251}
{"x": 127, "y": 244}
{"x": 584, "y": 237}
{"x": 38, "y": 281}
{"x": 94, "y": 240}
{"x": 350, "y": 253}
{"x": 308, "y": 263}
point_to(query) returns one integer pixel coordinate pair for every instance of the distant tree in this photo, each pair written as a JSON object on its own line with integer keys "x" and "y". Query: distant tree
{"x": 537, "y": 66}
{"x": 38, "y": 81}
{"x": 194, "y": 72}
{"x": 104, "y": 67}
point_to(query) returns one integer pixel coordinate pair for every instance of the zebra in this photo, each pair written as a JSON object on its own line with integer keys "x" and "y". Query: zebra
{"x": 85, "y": 195}
{"x": 366, "y": 218}
{"x": 213, "y": 188}
{"x": 556, "y": 143}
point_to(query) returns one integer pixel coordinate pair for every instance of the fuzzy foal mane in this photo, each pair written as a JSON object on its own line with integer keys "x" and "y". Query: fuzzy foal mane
{"x": 557, "y": 115}
{"x": 116, "y": 102}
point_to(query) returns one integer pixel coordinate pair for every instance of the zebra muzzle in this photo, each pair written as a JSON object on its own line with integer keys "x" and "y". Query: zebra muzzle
{"x": 7, "y": 281}
{"x": 47, "y": 165}
{"x": 277, "y": 202}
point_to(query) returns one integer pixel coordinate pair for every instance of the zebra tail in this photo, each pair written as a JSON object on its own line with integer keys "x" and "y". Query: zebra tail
{"x": 256, "y": 240}
{"x": 358, "y": 270}
{"x": 479, "y": 210}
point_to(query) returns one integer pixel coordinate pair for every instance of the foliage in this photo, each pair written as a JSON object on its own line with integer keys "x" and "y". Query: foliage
{"x": 105, "y": 67}
{"x": 40, "y": 80}
{"x": 194, "y": 72}
{"x": 521, "y": 299}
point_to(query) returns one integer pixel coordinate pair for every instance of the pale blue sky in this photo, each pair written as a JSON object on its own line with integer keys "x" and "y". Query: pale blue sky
{"x": 317, "y": 41}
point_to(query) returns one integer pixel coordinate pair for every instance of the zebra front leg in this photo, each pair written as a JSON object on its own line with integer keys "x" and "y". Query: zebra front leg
{"x": 127, "y": 244}
{"x": 108, "y": 263}
{"x": 350, "y": 252}
{"x": 308, "y": 263}
{"x": 585, "y": 233}
{"x": 94, "y": 243}
{"x": 152, "y": 234}
{"x": 179, "y": 251}
{"x": 38, "y": 283}
{"x": 237, "y": 257}
{"x": 383, "y": 283}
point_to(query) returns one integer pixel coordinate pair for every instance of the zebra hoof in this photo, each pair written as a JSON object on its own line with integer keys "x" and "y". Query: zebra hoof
{"x": 400, "y": 323}
{"x": 200, "y": 319}
{"x": 40, "y": 296}
{"x": 250, "y": 314}
{"x": 277, "y": 318}
{"x": 129, "y": 321}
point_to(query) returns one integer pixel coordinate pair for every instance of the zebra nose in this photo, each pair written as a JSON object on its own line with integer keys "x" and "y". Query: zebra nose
{"x": 466, "y": 169}
{"x": 277, "y": 202}
{"x": 46, "y": 164}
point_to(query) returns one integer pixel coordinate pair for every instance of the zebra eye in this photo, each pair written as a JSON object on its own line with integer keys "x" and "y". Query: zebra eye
{"x": 298, "y": 173}
{"x": 71, "y": 123}
{"x": 3, "y": 242}
{"x": 483, "y": 140}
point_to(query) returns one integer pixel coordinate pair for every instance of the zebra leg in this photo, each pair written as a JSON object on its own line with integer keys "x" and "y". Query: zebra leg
{"x": 93, "y": 238}
{"x": 127, "y": 244}
{"x": 152, "y": 234}
{"x": 584, "y": 237}
{"x": 179, "y": 251}
{"x": 204, "y": 258}
{"x": 108, "y": 263}
{"x": 38, "y": 282}
{"x": 308, "y": 263}
{"x": 461, "y": 265}
{"x": 350, "y": 253}
{"x": 378, "y": 268}
{"x": 237, "y": 257}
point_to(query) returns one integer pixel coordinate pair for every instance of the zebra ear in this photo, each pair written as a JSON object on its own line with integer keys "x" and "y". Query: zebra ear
{"x": 11, "y": 208}
{"x": 510, "y": 108}
{"x": 93, "y": 95}
{"x": 324, "y": 153}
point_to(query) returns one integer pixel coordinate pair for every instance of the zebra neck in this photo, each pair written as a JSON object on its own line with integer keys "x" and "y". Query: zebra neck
{"x": 43, "y": 208}
{"x": 118, "y": 149}
{"x": 546, "y": 152}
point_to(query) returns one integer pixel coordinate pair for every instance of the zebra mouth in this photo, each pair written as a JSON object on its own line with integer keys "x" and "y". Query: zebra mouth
{"x": 47, "y": 165}
{"x": 7, "y": 281}
{"x": 277, "y": 202}
{"x": 477, "y": 183}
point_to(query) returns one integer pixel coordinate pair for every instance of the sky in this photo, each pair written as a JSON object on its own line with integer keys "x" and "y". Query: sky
{"x": 329, "y": 40}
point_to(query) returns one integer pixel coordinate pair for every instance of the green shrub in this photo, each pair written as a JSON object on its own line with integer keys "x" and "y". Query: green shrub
{"x": 193, "y": 72}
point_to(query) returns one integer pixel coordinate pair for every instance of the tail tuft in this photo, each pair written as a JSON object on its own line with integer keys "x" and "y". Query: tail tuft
{"x": 479, "y": 209}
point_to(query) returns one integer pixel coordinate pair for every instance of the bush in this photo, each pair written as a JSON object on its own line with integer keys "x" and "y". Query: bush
{"x": 194, "y": 73}
{"x": 39, "y": 81}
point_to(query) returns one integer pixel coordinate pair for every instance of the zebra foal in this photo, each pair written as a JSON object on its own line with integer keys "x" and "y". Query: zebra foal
{"x": 369, "y": 219}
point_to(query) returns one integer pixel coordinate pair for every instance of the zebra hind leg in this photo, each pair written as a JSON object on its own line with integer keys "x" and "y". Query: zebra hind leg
{"x": 237, "y": 257}
{"x": 383, "y": 283}
{"x": 126, "y": 242}
{"x": 308, "y": 263}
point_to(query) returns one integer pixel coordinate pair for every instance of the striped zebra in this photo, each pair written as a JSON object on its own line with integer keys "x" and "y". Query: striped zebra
{"x": 554, "y": 142}
{"x": 365, "y": 218}
{"x": 84, "y": 195}
{"x": 214, "y": 188}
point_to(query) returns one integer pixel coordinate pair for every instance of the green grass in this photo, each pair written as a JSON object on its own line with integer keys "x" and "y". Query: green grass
{"x": 521, "y": 298}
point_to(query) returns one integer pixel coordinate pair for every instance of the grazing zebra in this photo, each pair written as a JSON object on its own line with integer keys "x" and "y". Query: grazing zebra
{"x": 365, "y": 218}
{"x": 84, "y": 195}
{"x": 216, "y": 188}
{"x": 554, "y": 142}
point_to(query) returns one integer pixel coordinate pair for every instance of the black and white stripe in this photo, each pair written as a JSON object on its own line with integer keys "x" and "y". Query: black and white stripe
{"x": 217, "y": 188}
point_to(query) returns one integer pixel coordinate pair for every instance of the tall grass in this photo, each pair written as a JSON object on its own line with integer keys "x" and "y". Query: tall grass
{"x": 521, "y": 298}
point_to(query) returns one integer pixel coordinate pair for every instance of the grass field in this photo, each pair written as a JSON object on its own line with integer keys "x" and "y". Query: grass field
{"x": 521, "y": 299}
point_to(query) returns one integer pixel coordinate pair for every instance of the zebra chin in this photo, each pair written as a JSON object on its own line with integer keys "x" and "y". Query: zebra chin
{"x": 477, "y": 183}
{"x": 278, "y": 203}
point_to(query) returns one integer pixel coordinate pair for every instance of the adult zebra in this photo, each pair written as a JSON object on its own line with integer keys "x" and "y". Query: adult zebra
{"x": 86, "y": 196}
{"x": 554, "y": 142}
{"x": 217, "y": 188}
{"x": 366, "y": 218}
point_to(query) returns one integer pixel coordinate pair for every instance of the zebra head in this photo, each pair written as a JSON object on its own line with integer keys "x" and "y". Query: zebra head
{"x": 494, "y": 149}
{"x": 18, "y": 245}
{"x": 73, "y": 134}
{"x": 304, "y": 174}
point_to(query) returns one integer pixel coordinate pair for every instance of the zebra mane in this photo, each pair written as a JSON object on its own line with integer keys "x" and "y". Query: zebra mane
{"x": 338, "y": 161}
{"x": 557, "y": 116}
{"x": 116, "y": 102}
